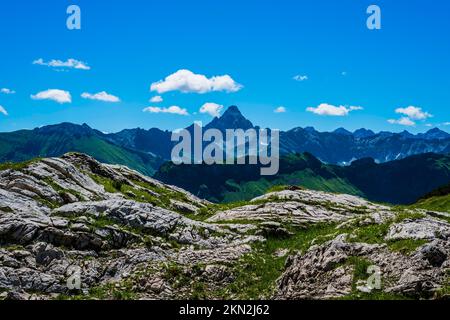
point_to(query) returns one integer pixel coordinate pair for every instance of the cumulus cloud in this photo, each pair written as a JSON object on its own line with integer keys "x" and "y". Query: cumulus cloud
{"x": 3, "y": 111}
{"x": 172, "y": 110}
{"x": 57, "y": 95}
{"x": 7, "y": 91}
{"x": 213, "y": 109}
{"x": 188, "y": 82}
{"x": 280, "y": 109}
{"x": 300, "y": 77}
{"x": 404, "y": 121}
{"x": 326, "y": 109}
{"x": 156, "y": 99}
{"x": 414, "y": 113}
{"x": 69, "y": 63}
{"x": 100, "y": 96}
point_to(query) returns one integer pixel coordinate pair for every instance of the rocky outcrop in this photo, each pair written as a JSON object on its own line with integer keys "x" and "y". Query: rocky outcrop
{"x": 301, "y": 207}
{"x": 331, "y": 270}
{"x": 61, "y": 214}
{"x": 72, "y": 226}
{"x": 427, "y": 229}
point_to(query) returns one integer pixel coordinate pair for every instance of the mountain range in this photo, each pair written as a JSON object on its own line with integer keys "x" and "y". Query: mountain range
{"x": 338, "y": 147}
{"x": 146, "y": 150}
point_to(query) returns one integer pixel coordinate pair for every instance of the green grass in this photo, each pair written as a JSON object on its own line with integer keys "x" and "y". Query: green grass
{"x": 256, "y": 273}
{"x": 17, "y": 165}
{"x": 109, "y": 185}
{"x": 360, "y": 268}
{"x": 372, "y": 234}
{"x": 406, "y": 246}
{"x": 305, "y": 179}
{"x": 283, "y": 187}
{"x": 146, "y": 193}
{"x": 108, "y": 291}
{"x": 444, "y": 292}
{"x": 438, "y": 203}
{"x": 13, "y": 247}
{"x": 375, "y": 233}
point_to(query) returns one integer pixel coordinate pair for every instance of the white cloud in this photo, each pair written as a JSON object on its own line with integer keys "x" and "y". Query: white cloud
{"x": 446, "y": 123}
{"x": 414, "y": 113}
{"x": 7, "y": 91}
{"x": 57, "y": 95}
{"x": 213, "y": 109}
{"x": 280, "y": 109}
{"x": 404, "y": 121}
{"x": 172, "y": 110}
{"x": 156, "y": 99}
{"x": 186, "y": 81}
{"x": 300, "y": 77}
{"x": 3, "y": 110}
{"x": 326, "y": 109}
{"x": 69, "y": 63}
{"x": 101, "y": 96}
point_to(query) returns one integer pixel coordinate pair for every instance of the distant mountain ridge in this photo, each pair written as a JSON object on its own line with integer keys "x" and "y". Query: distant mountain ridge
{"x": 338, "y": 147}
{"x": 145, "y": 150}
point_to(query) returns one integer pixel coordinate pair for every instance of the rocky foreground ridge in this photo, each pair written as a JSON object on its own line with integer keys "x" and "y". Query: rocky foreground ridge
{"x": 73, "y": 228}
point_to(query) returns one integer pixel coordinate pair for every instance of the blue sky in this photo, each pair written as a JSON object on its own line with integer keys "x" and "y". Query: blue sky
{"x": 261, "y": 45}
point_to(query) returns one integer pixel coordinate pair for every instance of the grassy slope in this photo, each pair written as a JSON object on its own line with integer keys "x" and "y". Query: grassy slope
{"x": 397, "y": 182}
{"x": 24, "y": 145}
{"x": 108, "y": 153}
{"x": 304, "y": 178}
{"x": 228, "y": 183}
{"x": 437, "y": 203}
{"x": 437, "y": 200}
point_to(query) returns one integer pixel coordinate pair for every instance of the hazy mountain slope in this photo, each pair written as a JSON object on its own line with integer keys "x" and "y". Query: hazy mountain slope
{"x": 154, "y": 141}
{"x": 402, "y": 181}
{"x": 243, "y": 182}
{"x": 51, "y": 141}
{"x": 336, "y": 147}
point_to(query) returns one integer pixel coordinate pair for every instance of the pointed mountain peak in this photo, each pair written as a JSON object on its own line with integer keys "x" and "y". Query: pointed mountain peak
{"x": 436, "y": 130}
{"x": 232, "y": 118}
{"x": 436, "y": 133}
{"x": 342, "y": 131}
{"x": 363, "y": 133}
{"x": 406, "y": 133}
{"x": 310, "y": 129}
{"x": 232, "y": 110}
{"x": 66, "y": 128}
